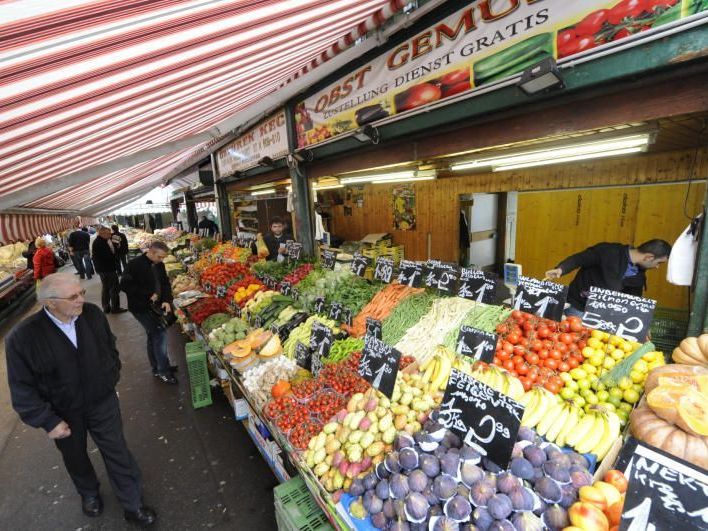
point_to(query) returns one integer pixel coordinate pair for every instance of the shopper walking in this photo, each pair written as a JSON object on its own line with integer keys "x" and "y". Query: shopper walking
{"x": 29, "y": 254}
{"x": 613, "y": 266}
{"x": 43, "y": 259}
{"x": 148, "y": 289}
{"x": 120, "y": 242}
{"x": 105, "y": 261}
{"x": 78, "y": 242}
{"x": 63, "y": 366}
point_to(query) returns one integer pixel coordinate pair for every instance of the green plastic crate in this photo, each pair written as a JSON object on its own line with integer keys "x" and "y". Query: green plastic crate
{"x": 198, "y": 375}
{"x": 296, "y": 509}
{"x": 668, "y": 329}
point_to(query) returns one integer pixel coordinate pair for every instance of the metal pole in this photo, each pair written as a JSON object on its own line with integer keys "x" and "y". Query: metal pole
{"x": 698, "y": 321}
{"x": 222, "y": 203}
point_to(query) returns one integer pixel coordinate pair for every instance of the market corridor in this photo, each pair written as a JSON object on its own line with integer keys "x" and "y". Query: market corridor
{"x": 200, "y": 468}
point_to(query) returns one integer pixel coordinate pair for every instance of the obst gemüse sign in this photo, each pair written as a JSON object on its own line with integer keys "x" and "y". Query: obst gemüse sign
{"x": 484, "y": 42}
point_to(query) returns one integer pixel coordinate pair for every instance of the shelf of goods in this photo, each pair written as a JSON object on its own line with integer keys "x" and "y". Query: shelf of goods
{"x": 372, "y": 461}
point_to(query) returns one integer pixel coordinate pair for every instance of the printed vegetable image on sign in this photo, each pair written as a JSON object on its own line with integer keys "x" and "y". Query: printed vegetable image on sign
{"x": 477, "y": 344}
{"x": 477, "y": 285}
{"x": 485, "y": 419}
{"x": 359, "y": 264}
{"x": 621, "y": 314}
{"x": 329, "y": 258}
{"x": 384, "y": 269}
{"x": 541, "y": 297}
{"x": 663, "y": 492}
{"x": 410, "y": 273}
{"x": 379, "y": 365}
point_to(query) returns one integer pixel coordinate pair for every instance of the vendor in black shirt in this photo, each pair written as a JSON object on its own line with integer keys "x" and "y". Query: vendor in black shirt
{"x": 612, "y": 266}
{"x": 275, "y": 240}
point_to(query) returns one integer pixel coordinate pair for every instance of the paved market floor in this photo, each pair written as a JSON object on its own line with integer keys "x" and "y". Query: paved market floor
{"x": 200, "y": 468}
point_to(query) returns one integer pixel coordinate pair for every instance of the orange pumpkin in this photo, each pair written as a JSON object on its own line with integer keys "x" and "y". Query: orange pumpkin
{"x": 281, "y": 388}
{"x": 238, "y": 349}
{"x": 675, "y": 373}
{"x": 692, "y": 351}
{"x": 258, "y": 337}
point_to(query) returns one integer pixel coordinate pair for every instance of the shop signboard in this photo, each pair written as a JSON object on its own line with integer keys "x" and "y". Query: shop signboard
{"x": 477, "y": 344}
{"x": 620, "y": 314}
{"x": 477, "y": 285}
{"x": 482, "y": 43}
{"x": 541, "y": 297}
{"x": 485, "y": 419}
{"x": 379, "y": 365}
{"x": 268, "y": 138}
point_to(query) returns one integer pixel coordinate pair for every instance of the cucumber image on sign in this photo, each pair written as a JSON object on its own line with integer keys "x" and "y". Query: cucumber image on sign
{"x": 514, "y": 59}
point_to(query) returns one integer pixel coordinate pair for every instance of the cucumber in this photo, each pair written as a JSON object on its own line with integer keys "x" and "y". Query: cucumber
{"x": 694, "y": 6}
{"x": 508, "y": 60}
{"x": 506, "y": 73}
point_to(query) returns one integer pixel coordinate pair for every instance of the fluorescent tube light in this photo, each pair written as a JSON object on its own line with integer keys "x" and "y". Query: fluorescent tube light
{"x": 402, "y": 180}
{"x": 264, "y": 192}
{"x": 597, "y": 155}
{"x": 393, "y": 177}
{"x": 327, "y": 187}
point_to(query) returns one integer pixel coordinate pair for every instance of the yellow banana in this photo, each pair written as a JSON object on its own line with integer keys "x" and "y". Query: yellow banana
{"x": 570, "y": 424}
{"x": 611, "y": 433}
{"x": 594, "y": 436}
{"x": 558, "y": 424}
{"x": 583, "y": 429}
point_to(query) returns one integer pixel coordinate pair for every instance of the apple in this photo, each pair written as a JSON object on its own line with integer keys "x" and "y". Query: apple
{"x": 588, "y": 517}
{"x": 616, "y": 478}
{"x": 594, "y": 496}
{"x": 614, "y": 512}
{"x": 612, "y": 495}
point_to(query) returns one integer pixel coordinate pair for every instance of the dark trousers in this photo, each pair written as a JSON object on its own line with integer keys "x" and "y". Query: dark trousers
{"x": 82, "y": 263}
{"x": 156, "y": 342}
{"x": 122, "y": 262}
{"x": 103, "y": 421}
{"x": 110, "y": 296}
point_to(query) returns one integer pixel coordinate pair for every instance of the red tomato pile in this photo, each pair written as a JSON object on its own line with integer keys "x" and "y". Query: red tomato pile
{"x": 536, "y": 349}
{"x": 605, "y": 25}
{"x": 307, "y": 388}
{"x": 222, "y": 275}
{"x": 205, "y": 307}
{"x": 301, "y": 434}
{"x": 343, "y": 379}
{"x": 326, "y": 404}
{"x": 298, "y": 274}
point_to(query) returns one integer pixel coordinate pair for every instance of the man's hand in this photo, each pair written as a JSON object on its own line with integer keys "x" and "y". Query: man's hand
{"x": 166, "y": 307}
{"x": 60, "y": 431}
{"x": 554, "y": 273}
{"x": 154, "y": 297}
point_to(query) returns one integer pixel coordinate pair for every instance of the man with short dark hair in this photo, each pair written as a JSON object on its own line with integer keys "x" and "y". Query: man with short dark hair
{"x": 62, "y": 367}
{"x": 120, "y": 242}
{"x": 80, "y": 255}
{"x": 613, "y": 266}
{"x": 105, "y": 262}
{"x": 145, "y": 282}
{"x": 207, "y": 224}
{"x": 275, "y": 240}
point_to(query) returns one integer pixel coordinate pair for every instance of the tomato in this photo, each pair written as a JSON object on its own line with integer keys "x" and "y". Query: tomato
{"x": 526, "y": 382}
{"x": 564, "y": 327}
{"x": 653, "y": 5}
{"x": 451, "y": 90}
{"x": 519, "y": 350}
{"x": 554, "y": 354}
{"x": 531, "y": 358}
{"x": 562, "y": 348}
{"x": 551, "y": 363}
{"x": 522, "y": 369}
{"x": 625, "y": 9}
{"x": 621, "y": 34}
{"x": 585, "y": 43}
{"x": 566, "y": 338}
{"x": 592, "y": 23}
{"x": 566, "y": 36}
{"x": 503, "y": 355}
{"x": 502, "y": 329}
{"x": 516, "y": 314}
{"x": 535, "y": 345}
{"x": 513, "y": 338}
{"x": 497, "y": 361}
{"x": 455, "y": 77}
{"x": 508, "y": 365}
{"x": 517, "y": 360}
{"x": 563, "y": 366}
{"x": 552, "y": 387}
{"x": 419, "y": 95}
{"x": 508, "y": 347}
{"x": 543, "y": 353}
{"x": 543, "y": 332}
{"x": 527, "y": 327}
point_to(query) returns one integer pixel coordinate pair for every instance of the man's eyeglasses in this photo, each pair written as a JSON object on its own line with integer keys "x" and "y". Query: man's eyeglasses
{"x": 73, "y": 297}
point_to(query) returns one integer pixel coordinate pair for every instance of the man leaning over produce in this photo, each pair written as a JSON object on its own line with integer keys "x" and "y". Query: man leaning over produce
{"x": 612, "y": 266}
{"x": 62, "y": 367}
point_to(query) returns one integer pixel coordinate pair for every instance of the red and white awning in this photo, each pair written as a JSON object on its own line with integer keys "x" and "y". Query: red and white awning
{"x": 87, "y": 82}
{"x": 14, "y": 227}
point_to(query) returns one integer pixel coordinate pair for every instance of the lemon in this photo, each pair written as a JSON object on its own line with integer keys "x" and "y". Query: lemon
{"x": 650, "y": 356}
{"x": 654, "y": 364}
{"x": 572, "y": 385}
{"x": 603, "y": 395}
{"x": 591, "y": 399}
{"x": 587, "y": 352}
{"x": 583, "y": 385}
{"x": 589, "y": 368}
{"x": 637, "y": 377}
{"x": 639, "y": 388}
{"x": 595, "y": 335}
{"x": 641, "y": 366}
{"x": 615, "y": 401}
{"x": 616, "y": 392}
{"x": 578, "y": 373}
{"x": 567, "y": 393}
{"x": 624, "y": 406}
{"x": 596, "y": 359}
{"x": 617, "y": 354}
{"x": 615, "y": 341}
{"x": 565, "y": 377}
{"x": 594, "y": 342}
{"x": 627, "y": 347}
{"x": 625, "y": 383}
{"x": 630, "y": 396}
{"x": 607, "y": 406}
{"x": 578, "y": 401}
{"x": 608, "y": 363}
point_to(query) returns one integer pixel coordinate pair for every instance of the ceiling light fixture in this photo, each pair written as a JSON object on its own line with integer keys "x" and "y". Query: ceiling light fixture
{"x": 393, "y": 177}
{"x": 265, "y": 191}
{"x": 540, "y": 77}
{"x": 266, "y": 162}
{"x": 318, "y": 188}
{"x": 367, "y": 133}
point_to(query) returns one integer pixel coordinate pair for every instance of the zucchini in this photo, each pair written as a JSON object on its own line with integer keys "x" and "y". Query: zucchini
{"x": 670, "y": 15}
{"x": 507, "y": 61}
{"x": 506, "y": 73}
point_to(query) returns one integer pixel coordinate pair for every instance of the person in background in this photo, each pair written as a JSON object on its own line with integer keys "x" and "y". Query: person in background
{"x": 80, "y": 254}
{"x": 62, "y": 367}
{"x": 612, "y": 266}
{"x": 145, "y": 282}
{"x": 275, "y": 240}
{"x": 120, "y": 242}
{"x": 211, "y": 227}
{"x": 29, "y": 254}
{"x": 105, "y": 261}
{"x": 43, "y": 259}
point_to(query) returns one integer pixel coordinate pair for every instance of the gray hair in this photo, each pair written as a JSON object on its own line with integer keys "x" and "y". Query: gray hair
{"x": 49, "y": 284}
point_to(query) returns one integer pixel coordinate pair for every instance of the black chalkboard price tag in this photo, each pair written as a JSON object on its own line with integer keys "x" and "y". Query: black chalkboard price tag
{"x": 294, "y": 250}
{"x": 410, "y": 273}
{"x": 477, "y": 344}
{"x": 379, "y": 365}
{"x": 295, "y": 293}
{"x": 346, "y": 316}
{"x": 485, "y": 419}
{"x": 237, "y": 311}
{"x": 328, "y": 259}
{"x": 303, "y": 356}
{"x": 477, "y": 285}
{"x": 664, "y": 492}
{"x": 620, "y": 314}
{"x": 320, "y": 345}
{"x": 384, "y": 269}
{"x": 429, "y": 278}
{"x": 359, "y": 264}
{"x": 373, "y": 328}
{"x": 541, "y": 297}
{"x": 319, "y": 304}
{"x": 335, "y": 312}
{"x": 285, "y": 287}
{"x": 447, "y": 276}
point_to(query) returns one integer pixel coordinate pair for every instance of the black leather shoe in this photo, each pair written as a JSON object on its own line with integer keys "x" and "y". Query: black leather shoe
{"x": 106, "y": 310}
{"x": 174, "y": 368}
{"x": 143, "y": 517}
{"x": 119, "y": 310}
{"x": 92, "y": 505}
{"x": 167, "y": 378}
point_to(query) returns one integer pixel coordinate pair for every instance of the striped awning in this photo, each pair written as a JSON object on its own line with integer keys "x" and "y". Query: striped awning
{"x": 85, "y": 84}
{"x": 14, "y": 227}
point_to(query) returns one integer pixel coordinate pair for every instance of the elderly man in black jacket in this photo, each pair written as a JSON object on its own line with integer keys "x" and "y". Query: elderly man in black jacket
{"x": 63, "y": 366}
{"x": 106, "y": 264}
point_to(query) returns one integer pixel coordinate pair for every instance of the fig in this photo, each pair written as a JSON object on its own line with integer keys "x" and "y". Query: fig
{"x": 555, "y": 470}
{"x": 357, "y": 487}
{"x": 522, "y": 499}
{"x": 399, "y": 525}
{"x": 491, "y": 478}
{"x": 570, "y": 496}
{"x": 580, "y": 477}
{"x": 382, "y": 489}
{"x": 430, "y": 465}
{"x": 370, "y": 481}
{"x": 450, "y": 440}
{"x": 430, "y": 495}
{"x": 426, "y": 442}
{"x": 527, "y": 522}
{"x": 490, "y": 465}
{"x": 482, "y": 518}
{"x": 481, "y": 492}
{"x": 470, "y": 527}
{"x": 443, "y": 523}
{"x": 578, "y": 459}
{"x": 548, "y": 490}
{"x": 458, "y": 508}
{"x": 526, "y": 434}
{"x": 450, "y": 464}
{"x": 436, "y": 430}
{"x": 372, "y": 503}
{"x": 418, "y": 526}
{"x": 403, "y": 440}
{"x": 555, "y": 518}
{"x": 534, "y": 455}
{"x": 417, "y": 481}
{"x": 522, "y": 468}
{"x": 440, "y": 451}
{"x": 391, "y": 462}
{"x": 408, "y": 458}
{"x": 444, "y": 486}
{"x": 506, "y": 482}
{"x": 381, "y": 471}
{"x": 389, "y": 510}
{"x": 470, "y": 473}
{"x": 416, "y": 507}
{"x": 499, "y": 506}
{"x": 379, "y": 521}
{"x": 398, "y": 486}
{"x": 467, "y": 453}
{"x": 563, "y": 460}
{"x": 501, "y": 525}
{"x": 552, "y": 451}
{"x": 537, "y": 474}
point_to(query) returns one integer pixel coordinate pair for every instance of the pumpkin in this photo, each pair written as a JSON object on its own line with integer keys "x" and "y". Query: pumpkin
{"x": 652, "y": 429}
{"x": 238, "y": 349}
{"x": 258, "y": 338}
{"x": 692, "y": 351}
{"x": 281, "y": 388}
{"x": 676, "y": 373}
{"x": 271, "y": 348}
{"x": 681, "y": 405}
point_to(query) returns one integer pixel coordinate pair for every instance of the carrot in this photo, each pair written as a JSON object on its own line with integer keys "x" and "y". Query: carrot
{"x": 380, "y": 307}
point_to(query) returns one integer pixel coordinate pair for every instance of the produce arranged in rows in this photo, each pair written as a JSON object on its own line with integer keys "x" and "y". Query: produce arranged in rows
{"x": 302, "y": 333}
{"x": 266, "y": 307}
{"x": 259, "y": 344}
{"x": 222, "y": 275}
{"x": 380, "y": 307}
{"x": 235, "y": 328}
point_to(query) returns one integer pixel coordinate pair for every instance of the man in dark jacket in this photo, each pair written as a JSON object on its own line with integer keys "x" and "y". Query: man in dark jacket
{"x": 275, "y": 240}
{"x": 105, "y": 261}
{"x": 63, "y": 366}
{"x": 78, "y": 242}
{"x": 612, "y": 266}
{"x": 145, "y": 283}
{"x": 120, "y": 242}
{"x": 208, "y": 225}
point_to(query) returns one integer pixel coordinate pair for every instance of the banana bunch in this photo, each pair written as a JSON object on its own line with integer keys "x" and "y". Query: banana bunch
{"x": 499, "y": 380}
{"x": 565, "y": 424}
{"x": 436, "y": 369}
